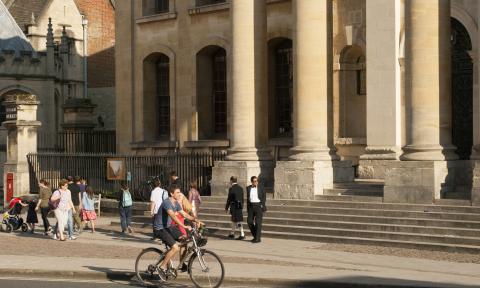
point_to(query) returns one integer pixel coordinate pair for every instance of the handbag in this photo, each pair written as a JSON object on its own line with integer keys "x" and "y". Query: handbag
{"x": 53, "y": 204}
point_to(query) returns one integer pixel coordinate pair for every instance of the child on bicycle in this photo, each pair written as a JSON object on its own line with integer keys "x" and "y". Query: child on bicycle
{"x": 163, "y": 228}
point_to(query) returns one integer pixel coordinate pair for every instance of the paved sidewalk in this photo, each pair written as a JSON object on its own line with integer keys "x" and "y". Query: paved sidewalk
{"x": 107, "y": 254}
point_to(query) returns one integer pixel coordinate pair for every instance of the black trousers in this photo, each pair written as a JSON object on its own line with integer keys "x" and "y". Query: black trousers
{"x": 44, "y": 212}
{"x": 254, "y": 220}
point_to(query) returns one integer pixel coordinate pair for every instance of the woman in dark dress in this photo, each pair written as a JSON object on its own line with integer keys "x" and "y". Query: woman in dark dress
{"x": 32, "y": 215}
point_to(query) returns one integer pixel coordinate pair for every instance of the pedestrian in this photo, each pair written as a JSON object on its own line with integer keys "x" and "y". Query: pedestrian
{"x": 256, "y": 199}
{"x": 76, "y": 199}
{"x": 194, "y": 197}
{"x": 87, "y": 208}
{"x": 125, "y": 203}
{"x": 235, "y": 205}
{"x": 82, "y": 185}
{"x": 64, "y": 198}
{"x": 42, "y": 204}
{"x": 32, "y": 218}
{"x": 157, "y": 197}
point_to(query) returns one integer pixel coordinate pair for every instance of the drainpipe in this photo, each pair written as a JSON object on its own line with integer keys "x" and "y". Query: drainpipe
{"x": 85, "y": 55}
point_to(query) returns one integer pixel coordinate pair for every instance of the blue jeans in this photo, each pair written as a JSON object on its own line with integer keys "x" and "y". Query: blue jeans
{"x": 70, "y": 223}
{"x": 125, "y": 217}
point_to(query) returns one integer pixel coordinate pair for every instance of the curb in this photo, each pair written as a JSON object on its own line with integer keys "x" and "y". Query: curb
{"x": 285, "y": 283}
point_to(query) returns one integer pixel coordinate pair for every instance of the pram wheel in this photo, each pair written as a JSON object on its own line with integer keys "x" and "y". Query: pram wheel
{"x": 9, "y": 228}
{"x": 24, "y": 227}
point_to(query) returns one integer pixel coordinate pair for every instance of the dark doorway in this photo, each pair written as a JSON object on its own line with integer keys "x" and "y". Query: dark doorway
{"x": 462, "y": 90}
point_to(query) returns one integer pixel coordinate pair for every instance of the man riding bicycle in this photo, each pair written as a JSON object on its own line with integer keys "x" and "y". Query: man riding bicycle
{"x": 163, "y": 229}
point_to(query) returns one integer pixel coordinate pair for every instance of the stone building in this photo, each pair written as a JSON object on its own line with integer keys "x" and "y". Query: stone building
{"x": 42, "y": 51}
{"x": 307, "y": 93}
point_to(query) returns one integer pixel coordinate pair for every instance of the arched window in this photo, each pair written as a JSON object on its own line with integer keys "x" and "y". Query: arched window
{"x": 211, "y": 101}
{"x": 163, "y": 97}
{"x": 220, "y": 92}
{"x": 281, "y": 87}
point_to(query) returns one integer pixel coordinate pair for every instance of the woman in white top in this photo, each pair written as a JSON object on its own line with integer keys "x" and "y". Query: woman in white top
{"x": 64, "y": 205}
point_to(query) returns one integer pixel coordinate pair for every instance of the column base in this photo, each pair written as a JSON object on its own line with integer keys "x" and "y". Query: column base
{"x": 476, "y": 183}
{"x": 249, "y": 154}
{"x": 429, "y": 153}
{"x": 423, "y": 181}
{"x": 299, "y": 153}
{"x": 475, "y": 152}
{"x": 373, "y": 164}
{"x": 305, "y": 179}
{"x": 243, "y": 170}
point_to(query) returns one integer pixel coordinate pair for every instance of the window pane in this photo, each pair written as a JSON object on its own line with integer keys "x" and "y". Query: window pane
{"x": 284, "y": 87}
{"x": 163, "y": 97}
{"x": 220, "y": 92}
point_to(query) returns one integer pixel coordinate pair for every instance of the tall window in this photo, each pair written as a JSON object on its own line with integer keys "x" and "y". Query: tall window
{"x": 163, "y": 97}
{"x": 161, "y": 6}
{"x": 199, "y": 3}
{"x": 3, "y": 114}
{"x": 361, "y": 77}
{"x": 220, "y": 92}
{"x": 284, "y": 87}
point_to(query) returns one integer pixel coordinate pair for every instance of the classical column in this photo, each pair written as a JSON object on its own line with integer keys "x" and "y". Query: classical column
{"x": 312, "y": 61}
{"x": 383, "y": 88}
{"x": 248, "y": 135}
{"x": 428, "y": 75}
{"x": 248, "y": 154}
{"x": 314, "y": 166}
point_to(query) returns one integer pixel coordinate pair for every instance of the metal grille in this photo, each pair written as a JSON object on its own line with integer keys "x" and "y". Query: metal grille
{"x": 163, "y": 97}
{"x": 55, "y": 166}
{"x": 284, "y": 87}
{"x": 220, "y": 92}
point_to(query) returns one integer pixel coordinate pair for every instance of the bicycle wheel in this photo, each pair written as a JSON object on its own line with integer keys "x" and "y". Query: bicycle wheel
{"x": 143, "y": 192}
{"x": 206, "y": 270}
{"x": 146, "y": 266}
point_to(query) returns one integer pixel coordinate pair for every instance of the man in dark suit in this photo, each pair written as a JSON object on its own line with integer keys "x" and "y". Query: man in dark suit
{"x": 235, "y": 205}
{"x": 256, "y": 199}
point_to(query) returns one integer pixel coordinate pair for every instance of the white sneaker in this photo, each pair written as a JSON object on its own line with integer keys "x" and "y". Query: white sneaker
{"x": 72, "y": 237}
{"x": 54, "y": 236}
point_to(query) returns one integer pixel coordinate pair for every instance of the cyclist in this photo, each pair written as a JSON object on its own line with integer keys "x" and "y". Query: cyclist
{"x": 164, "y": 230}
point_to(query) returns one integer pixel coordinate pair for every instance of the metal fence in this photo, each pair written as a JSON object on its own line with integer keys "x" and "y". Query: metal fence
{"x": 77, "y": 142}
{"x": 93, "y": 167}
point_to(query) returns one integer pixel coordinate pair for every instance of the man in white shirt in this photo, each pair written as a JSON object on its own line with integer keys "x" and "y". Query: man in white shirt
{"x": 256, "y": 199}
{"x": 156, "y": 198}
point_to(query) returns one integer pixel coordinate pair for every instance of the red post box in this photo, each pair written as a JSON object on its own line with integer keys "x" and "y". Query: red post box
{"x": 9, "y": 187}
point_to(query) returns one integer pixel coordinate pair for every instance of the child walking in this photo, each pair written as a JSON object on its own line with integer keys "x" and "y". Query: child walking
{"x": 87, "y": 208}
{"x": 32, "y": 218}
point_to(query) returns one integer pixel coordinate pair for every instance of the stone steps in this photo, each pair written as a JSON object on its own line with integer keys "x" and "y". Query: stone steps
{"x": 439, "y": 227}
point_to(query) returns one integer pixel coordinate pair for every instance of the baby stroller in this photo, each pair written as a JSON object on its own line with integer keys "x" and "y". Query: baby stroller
{"x": 11, "y": 219}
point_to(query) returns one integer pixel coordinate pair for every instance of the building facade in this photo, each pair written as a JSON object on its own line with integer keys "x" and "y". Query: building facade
{"x": 306, "y": 93}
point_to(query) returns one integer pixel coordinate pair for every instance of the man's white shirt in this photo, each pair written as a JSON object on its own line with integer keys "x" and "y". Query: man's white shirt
{"x": 254, "y": 195}
{"x": 157, "y": 196}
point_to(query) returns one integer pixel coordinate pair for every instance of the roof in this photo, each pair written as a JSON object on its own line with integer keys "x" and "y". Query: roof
{"x": 22, "y": 11}
{"x": 11, "y": 36}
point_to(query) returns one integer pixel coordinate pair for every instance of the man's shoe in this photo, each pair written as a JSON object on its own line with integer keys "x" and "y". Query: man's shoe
{"x": 255, "y": 241}
{"x": 231, "y": 236}
{"x": 184, "y": 267}
{"x": 241, "y": 237}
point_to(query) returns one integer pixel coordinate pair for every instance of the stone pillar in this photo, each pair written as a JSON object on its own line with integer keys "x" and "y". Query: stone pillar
{"x": 21, "y": 125}
{"x": 315, "y": 165}
{"x": 426, "y": 172}
{"x": 428, "y": 81}
{"x": 383, "y": 88}
{"x": 476, "y": 129}
{"x": 248, "y": 154}
{"x": 78, "y": 119}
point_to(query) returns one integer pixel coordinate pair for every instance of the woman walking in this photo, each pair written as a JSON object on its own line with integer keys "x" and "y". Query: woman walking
{"x": 63, "y": 198}
{"x": 45, "y": 194}
{"x": 125, "y": 208}
{"x": 194, "y": 197}
{"x": 87, "y": 208}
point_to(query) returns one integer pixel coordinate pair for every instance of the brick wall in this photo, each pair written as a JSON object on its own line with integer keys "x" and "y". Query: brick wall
{"x": 101, "y": 41}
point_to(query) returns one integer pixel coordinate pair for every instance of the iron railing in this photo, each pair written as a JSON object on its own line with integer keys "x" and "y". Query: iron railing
{"x": 93, "y": 167}
{"x": 77, "y": 142}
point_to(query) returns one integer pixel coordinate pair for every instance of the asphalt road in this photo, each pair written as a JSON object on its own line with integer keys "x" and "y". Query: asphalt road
{"x": 6, "y": 282}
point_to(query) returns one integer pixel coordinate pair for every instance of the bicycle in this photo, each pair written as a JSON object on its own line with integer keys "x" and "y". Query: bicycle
{"x": 143, "y": 191}
{"x": 204, "y": 266}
